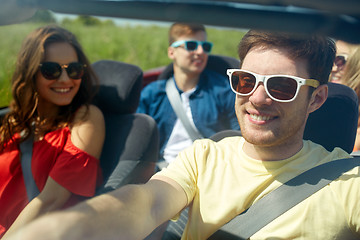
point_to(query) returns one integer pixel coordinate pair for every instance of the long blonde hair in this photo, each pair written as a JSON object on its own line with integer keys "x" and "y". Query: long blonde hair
{"x": 351, "y": 75}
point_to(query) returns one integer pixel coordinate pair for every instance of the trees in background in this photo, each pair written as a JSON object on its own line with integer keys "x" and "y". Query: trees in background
{"x": 43, "y": 16}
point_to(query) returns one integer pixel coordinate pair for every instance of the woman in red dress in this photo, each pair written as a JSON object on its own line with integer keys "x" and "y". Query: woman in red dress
{"x": 52, "y": 89}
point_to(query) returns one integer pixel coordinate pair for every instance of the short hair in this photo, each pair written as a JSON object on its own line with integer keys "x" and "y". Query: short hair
{"x": 318, "y": 51}
{"x": 183, "y": 29}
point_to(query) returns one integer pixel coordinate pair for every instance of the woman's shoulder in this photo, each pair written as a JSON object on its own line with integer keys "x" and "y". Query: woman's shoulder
{"x": 88, "y": 130}
{"x": 88, "y": 113}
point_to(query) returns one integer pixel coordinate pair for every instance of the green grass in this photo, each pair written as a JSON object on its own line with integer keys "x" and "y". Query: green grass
{"x": 144, "y": 46}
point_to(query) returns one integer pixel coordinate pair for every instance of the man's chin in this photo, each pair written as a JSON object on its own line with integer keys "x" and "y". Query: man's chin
{"x": 261, "y": 141}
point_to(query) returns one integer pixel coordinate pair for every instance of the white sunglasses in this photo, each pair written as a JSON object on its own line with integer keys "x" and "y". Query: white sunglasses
{"x": 281, "y": 88}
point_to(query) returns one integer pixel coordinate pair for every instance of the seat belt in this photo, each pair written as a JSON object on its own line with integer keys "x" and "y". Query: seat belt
{"x": 280, "y": 200}
{"x": 175, "y": 101}
{"x": 26, "y": 155}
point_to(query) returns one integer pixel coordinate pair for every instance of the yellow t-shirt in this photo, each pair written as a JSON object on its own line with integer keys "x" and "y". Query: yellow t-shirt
{"x": 221, "y": 182}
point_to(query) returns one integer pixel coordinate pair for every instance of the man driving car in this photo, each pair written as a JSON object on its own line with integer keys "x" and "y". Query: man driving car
{"x": 281, "y": 80}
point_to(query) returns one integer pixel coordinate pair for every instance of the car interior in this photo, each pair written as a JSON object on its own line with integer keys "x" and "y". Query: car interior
{"x": 131, "y": 145}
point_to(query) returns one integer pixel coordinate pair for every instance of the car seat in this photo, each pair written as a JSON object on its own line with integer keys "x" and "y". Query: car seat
{"x": 131, "y": 142}
{"x": 333, "y": 125}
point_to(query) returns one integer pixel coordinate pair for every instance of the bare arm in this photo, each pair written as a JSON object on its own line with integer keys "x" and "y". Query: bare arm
{"x": 130, "y": 212}
{"x": 51, "y": 198}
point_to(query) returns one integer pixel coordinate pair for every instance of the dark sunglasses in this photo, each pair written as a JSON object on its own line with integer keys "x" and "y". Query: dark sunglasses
{"x": 53, "y": 70}
{"x": 192, "y": 45}
{"x": 281, "y": 88}
{"x": 340, "y": 60}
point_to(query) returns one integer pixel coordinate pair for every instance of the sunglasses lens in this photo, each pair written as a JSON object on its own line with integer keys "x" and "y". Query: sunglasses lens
{"x": 191, "y": 45}
{"x": 282, "y": 88}
{"x": 50, "y": 70}
{"x": 242, "y": 82}
{"x": 53, "y": 70}
{"x": 340, "y": 61}
{"x": 75, "y": 70}
{"x": 207, "y": 47}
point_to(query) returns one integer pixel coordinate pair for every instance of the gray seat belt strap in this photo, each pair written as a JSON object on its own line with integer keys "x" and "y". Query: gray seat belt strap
{"x": 284, "y": 198}
{"x": 175, "y": 101}
{"x": 26, "y": 155}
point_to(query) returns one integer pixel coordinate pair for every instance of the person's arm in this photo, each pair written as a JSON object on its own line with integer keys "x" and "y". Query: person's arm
{"x": 51, "y": 198}
{"x": 130, "y": 212}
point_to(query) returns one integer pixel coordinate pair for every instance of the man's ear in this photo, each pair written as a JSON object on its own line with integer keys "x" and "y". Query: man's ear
{"x": 171, "y": 52}
{"x": 318, "y": 97}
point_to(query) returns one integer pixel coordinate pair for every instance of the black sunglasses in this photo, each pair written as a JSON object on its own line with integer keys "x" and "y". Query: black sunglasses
{"x": 340, "y": 60}
{"x": 281, "y": 88}
{"x": 53, "y": 70}
{"x": 192, "y": 45}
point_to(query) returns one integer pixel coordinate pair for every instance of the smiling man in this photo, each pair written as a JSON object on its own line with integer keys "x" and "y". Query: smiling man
{"x": 274, "y": 130}
{"x": 281, "y": 80}
{"x": 206, "y": 97}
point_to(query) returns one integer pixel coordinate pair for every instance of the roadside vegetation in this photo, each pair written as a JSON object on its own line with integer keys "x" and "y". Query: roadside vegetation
{"x": 142, "y": 45}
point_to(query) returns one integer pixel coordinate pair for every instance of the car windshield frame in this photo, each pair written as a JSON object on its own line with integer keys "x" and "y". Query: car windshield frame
{"x": 337, "y": 20}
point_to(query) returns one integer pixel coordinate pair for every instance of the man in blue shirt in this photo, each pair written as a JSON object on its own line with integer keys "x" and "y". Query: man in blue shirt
{"x": 206, "y": 95}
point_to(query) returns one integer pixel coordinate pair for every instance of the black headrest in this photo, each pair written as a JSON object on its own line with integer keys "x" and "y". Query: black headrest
{"x": 335, "y": 123}
{"x": 215, "y": 63}
{"x": 120, "y": 86}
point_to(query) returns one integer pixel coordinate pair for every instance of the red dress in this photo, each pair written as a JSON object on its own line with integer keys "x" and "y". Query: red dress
{"x": 54, "y": 156}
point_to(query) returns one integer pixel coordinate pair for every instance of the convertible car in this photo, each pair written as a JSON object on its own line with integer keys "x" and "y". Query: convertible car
{"x": 131, "y": 148}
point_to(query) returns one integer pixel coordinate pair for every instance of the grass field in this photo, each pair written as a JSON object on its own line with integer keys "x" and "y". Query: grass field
{"x": 144, "y": 46}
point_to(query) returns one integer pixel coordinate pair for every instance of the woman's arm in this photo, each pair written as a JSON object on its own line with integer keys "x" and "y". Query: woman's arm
{"x": 52, "y": 197}
{"x": 130, "y": 212}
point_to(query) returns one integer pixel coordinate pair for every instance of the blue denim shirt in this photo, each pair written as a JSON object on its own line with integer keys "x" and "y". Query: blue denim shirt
{"x": 212, "y": 106}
